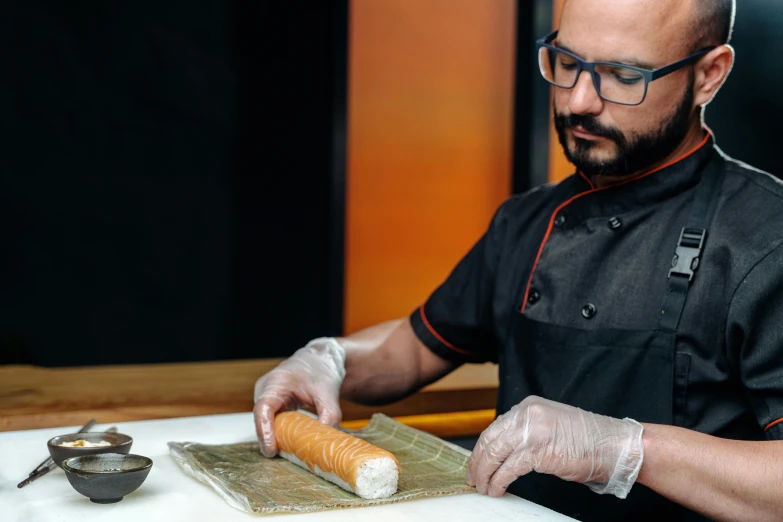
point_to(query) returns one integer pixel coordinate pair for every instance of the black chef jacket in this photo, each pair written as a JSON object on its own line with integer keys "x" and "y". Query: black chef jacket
{"x": 566, "y": 270}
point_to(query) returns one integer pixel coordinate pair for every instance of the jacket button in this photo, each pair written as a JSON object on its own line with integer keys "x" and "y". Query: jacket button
{"x": 560, "y": 220}
{"x": 588, "y": 311}
{"x": 533, "y": 296}
{"x": 614, "y": 223}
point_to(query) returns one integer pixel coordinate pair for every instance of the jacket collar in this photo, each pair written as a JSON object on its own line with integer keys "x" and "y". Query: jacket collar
{"x": 650, "y": 188}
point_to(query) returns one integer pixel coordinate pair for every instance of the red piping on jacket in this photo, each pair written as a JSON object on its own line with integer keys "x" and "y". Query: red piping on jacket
{"x": 437, "y": 335}
{"x": 773, "y": 423}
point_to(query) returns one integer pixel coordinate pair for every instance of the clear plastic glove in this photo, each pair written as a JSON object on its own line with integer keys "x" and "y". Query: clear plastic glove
{"x": 312, "y": 376}
{"x": 553, "y": 438}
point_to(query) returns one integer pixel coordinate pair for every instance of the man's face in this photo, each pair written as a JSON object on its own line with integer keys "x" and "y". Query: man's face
{"x": 603, "y": 138}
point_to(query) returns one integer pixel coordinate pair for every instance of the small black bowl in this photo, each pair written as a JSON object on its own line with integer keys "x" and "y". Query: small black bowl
{"x": 107, "y": 477}
{"x": 118, "y": 443}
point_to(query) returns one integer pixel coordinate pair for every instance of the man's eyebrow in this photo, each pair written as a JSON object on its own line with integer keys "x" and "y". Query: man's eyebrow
{"x": 631, "y": 62}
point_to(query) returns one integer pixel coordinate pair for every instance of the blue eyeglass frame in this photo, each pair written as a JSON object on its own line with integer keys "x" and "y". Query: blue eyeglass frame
{"x": 649, "y": 75}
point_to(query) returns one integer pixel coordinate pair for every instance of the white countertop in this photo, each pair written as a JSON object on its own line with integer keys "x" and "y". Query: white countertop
{"x": 170, "y": 495}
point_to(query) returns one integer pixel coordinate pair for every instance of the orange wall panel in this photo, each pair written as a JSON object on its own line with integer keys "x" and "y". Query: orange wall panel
{"x": 430, "y": 113}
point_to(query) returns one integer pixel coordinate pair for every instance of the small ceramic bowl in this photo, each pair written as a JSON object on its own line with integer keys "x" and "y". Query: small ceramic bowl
{"x": 118, "y": 443}
{"x": 107, "y": 477}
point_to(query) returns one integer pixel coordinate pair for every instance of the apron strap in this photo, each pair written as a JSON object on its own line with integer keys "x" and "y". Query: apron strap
{"x": 687, "y": 255}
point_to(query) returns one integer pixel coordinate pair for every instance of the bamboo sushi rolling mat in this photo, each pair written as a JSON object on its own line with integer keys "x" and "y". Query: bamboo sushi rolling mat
{"x": 250, "y": 482}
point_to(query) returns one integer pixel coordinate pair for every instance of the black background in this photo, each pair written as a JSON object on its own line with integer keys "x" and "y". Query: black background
{"x": 747, "y": 112}
{"x": 167, "y": 171}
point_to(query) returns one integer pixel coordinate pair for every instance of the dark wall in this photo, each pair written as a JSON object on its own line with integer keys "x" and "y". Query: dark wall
{"x": 748, "y": 110}
{"x": 165, "y": 179}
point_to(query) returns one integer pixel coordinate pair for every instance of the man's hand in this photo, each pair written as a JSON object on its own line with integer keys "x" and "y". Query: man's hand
{"x": 310, "y": 377}
{"x": 548, "y": 437}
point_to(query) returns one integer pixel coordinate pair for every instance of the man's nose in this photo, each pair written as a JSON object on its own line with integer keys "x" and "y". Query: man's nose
{"x": 584, "y": 97}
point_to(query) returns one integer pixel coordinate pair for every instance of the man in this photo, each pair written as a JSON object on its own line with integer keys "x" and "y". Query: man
{"x": 634, "y": 309}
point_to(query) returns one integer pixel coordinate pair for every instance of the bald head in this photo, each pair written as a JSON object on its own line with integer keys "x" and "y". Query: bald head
{"x": 708, "y": 22}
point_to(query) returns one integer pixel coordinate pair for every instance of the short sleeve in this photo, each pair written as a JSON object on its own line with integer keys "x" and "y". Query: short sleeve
{"x": 456, "y": 322}
{"x": 755, "y": 331}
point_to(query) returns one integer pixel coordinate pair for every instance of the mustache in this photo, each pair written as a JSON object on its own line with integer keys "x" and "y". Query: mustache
{"x": 589, "y": 124}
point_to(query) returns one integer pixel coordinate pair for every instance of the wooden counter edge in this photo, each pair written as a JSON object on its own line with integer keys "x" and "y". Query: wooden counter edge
{"x": 34, "y": 397}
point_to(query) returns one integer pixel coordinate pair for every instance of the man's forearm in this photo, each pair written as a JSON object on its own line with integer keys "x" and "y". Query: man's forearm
{"x": 723, "y": 479}
{"x": 387, "y": 362}
{"x": 373, "y": 375}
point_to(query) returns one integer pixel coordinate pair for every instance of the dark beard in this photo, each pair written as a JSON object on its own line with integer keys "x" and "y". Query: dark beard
{"x": 632, "y": 156}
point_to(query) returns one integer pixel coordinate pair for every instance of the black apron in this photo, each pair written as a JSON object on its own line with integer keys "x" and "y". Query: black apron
{"x": 619, "y": 373}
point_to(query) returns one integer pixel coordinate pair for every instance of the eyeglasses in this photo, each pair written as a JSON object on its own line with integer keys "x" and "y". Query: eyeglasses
{"x": 614, "y": 82}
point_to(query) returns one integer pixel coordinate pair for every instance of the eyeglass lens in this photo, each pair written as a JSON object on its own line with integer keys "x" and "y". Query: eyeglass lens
{"x": 615, "y": 83}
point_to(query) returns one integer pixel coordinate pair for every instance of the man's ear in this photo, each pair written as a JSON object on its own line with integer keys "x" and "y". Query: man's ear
{"x": 711, "y": 73}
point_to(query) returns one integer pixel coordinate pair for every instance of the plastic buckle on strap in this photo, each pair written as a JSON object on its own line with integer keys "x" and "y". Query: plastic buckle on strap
{"x": 686, "y": 256}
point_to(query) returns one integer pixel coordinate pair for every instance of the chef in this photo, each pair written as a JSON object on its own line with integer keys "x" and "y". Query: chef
{"x": 635, "y": 309}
